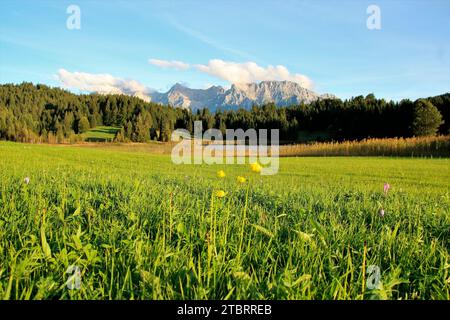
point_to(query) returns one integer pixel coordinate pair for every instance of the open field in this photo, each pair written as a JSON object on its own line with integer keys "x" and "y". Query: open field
{"x": 100, "y": 134}
{"x": 139, "y": 227}
{"x": 396, "y": 147}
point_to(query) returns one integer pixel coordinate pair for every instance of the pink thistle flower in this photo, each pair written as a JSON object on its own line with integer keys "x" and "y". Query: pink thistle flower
{"x": 386, "y": 187}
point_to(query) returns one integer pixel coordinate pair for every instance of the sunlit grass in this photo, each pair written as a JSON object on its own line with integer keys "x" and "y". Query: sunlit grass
{"x": 140, "y": 227}
{"x": 100, "y": 134}
{"x": 402, "y": 147}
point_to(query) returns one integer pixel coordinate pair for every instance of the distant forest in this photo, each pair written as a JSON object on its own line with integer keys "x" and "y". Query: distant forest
{"x": 38, "y": 113}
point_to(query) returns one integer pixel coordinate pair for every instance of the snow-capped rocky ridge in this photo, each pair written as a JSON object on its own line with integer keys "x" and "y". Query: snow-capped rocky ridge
{"x": 281, "y": 93}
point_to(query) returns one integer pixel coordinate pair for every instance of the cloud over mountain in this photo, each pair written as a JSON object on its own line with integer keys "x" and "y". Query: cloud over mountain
{"x": 250, "y": 72}
{"x": 239, "y": 73}
{"x": 103, "y": 83}
{"x": 251, "y": 84}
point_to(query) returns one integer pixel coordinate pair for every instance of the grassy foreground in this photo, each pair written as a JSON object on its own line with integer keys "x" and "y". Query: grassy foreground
{"x": 139, "y": 227}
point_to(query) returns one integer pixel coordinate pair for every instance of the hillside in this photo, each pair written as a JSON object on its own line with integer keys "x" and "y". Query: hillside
{"x": 31, "y": 113}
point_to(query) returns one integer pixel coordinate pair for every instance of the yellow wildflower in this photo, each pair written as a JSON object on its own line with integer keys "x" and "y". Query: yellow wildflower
{"x": 221, "y": 174}
{"x": 256, "y": 167}
{"x": 220, "y": 193}
{"x": 241, "y": 179}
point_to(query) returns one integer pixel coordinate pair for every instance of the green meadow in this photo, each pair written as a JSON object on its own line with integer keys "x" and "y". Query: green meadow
{"x": 100, "y": 134}
{"x": 139, "y": 227}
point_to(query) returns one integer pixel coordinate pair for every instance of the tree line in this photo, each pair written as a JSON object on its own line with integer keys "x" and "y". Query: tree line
{"x": 32, "y": 113}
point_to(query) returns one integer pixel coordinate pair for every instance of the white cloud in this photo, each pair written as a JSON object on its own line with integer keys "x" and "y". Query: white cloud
{"x": 233, "y": 72}
{"x": 238, "y": 73}
{"x": 249, "y": 72}
{"x": 103, "y": 83}
{"x": 174, "y": 64}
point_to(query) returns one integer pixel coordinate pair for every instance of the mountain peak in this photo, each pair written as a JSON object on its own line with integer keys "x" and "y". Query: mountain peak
{"x": 240, "y": 95}
{"x": 178, "y": 86}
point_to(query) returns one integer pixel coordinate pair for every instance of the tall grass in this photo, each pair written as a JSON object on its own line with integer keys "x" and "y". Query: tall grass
{"x": 400, "y": 147}
{"x": 139, "y": 227}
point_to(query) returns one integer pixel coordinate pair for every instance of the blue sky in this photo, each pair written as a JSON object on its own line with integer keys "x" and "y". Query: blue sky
{"x": 326, "y": 42}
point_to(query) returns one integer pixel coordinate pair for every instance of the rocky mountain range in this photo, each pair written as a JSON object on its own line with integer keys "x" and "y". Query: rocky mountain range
{"x": 282, "y": 93}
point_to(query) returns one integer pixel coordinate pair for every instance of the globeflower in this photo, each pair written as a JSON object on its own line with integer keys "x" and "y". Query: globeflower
{"x": 256, "y": 167}
{"x": 241, "y": 179}
{"x": 221, "y": 174}
{"x": 220, "y": 193}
